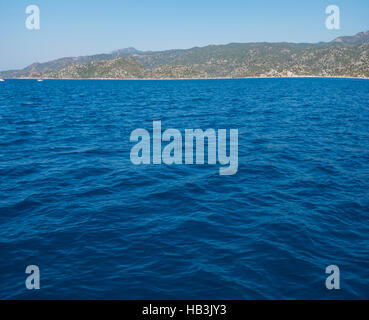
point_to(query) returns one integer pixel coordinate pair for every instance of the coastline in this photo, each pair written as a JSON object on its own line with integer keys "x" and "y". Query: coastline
{"x": 216, "y": 78}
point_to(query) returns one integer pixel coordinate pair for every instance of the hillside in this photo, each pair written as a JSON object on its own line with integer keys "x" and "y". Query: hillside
{"x": 345, "y": 56}
{"x": 360, "y": 38}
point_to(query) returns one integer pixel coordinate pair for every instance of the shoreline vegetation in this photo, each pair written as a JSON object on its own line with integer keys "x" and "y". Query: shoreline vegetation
{"x": 225, "y": 78}
{"x": 344, "y": 57}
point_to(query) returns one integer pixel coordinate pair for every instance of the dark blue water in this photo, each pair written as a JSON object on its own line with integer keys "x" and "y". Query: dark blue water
{"x": 97, "y": 226}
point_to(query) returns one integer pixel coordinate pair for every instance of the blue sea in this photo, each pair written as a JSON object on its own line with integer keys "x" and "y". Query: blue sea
{"x": 99, "y": 227}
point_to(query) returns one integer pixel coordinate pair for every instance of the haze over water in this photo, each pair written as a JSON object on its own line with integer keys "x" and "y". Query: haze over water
{"x": 99, "y": 227}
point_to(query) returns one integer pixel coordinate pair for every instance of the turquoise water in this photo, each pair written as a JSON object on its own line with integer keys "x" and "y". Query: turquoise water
{"x": 72, "y": 203}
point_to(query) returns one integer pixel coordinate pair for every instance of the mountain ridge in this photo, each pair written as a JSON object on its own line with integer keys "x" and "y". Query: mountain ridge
{"x": 344, "y": 56}
{"x": 359, "y": 38}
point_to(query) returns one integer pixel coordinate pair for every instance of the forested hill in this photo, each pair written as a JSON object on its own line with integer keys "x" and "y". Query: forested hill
{"x": 345, "y": 56}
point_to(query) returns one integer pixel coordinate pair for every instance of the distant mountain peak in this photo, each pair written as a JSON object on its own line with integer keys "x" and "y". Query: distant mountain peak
{"x": 126, "y": 52}
{"x": 360, "y": 38}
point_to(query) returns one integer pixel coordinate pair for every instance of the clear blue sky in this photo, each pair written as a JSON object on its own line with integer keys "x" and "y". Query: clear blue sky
{"x": 81, "y": 27}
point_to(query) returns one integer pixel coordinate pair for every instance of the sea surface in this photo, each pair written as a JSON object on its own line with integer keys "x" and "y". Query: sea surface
{"x": 97, "y": 226}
